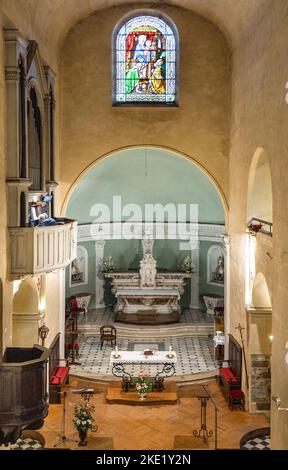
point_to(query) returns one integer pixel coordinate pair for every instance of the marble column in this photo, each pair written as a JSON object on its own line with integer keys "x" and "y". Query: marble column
{"x": 99, "y": 279}
{"x": 195, "y": 251}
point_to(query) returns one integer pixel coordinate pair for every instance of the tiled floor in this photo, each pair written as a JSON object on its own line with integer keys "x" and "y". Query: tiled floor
{"x": 26, "y": 444}
{"x": 257, "y": 443}
{"x": 194, "y": 354}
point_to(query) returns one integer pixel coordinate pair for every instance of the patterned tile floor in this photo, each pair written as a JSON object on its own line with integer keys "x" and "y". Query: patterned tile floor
{"x": 26, "y": 443}
{"x": 257, "y": 443}
{"x": 194, "y": 354}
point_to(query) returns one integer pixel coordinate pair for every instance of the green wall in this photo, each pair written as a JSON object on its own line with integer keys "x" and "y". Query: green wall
{"x": 145, "y": 176}
{"x": 90, "y": 287}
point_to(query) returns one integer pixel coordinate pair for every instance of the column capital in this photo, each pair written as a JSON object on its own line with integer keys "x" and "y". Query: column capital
{"x": 99, "y": 243}
{"x": 226, "y": 240}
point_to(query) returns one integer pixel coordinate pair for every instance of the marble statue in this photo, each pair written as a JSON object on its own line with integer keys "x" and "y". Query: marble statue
{"x": 148, "y": 271}
{"x": 219, "y": 271}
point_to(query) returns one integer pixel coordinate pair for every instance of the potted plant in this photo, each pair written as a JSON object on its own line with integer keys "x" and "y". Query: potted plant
{"x": 83, "y": 420}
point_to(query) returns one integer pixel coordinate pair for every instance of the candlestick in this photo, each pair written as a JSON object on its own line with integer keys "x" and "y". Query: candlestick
{"x": 170, "y": 348}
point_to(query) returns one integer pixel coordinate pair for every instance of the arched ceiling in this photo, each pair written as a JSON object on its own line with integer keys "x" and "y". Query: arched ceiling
{"x": 48, "y": 21}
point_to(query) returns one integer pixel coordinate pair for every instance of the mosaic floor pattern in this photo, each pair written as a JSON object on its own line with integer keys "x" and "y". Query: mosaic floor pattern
{"x": 257, "y": 443}
{"x": 194, "y": 354}
{"x": 26, "y": 444}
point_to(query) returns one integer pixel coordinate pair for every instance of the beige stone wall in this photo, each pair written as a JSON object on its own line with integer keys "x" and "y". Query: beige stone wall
{"x": 260, "y": 115}
{"x": 91, "y": 127}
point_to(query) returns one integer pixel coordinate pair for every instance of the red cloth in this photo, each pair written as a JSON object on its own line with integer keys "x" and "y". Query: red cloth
{"x": 60, "y": 375}
{"x": 228, "y": 375}
{"x": 236, "y": 394}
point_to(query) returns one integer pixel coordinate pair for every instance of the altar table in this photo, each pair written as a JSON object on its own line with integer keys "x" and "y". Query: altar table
{"x": 122, "y": 358}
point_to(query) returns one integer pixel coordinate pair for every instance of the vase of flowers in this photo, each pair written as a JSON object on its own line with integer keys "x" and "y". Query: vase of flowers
{"x": 83, "y": 420}
{"x": 143, "y": 386}
{"x": 187, "y": 265}
{"x": 109, "y": 265}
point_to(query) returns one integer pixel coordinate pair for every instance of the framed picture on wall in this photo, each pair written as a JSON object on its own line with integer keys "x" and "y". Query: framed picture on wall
{"x": 79, "y": 268}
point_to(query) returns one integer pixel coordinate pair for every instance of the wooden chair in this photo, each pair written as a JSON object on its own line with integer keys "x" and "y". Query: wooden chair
{"x": 74, "y": 307}
{"x": 108, "y": 333}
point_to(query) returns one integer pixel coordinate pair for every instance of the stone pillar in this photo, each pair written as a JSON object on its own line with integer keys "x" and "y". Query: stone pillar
{"x": 227, "y": 327}
{"x": 99, "y": 279}
{"x": 259, "y": 322}
{"x": 195, "y": 251}
{"x": 62, "y": 275}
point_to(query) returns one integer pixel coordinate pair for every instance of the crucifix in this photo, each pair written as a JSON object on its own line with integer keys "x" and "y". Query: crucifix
{"x": 241, "y": 328}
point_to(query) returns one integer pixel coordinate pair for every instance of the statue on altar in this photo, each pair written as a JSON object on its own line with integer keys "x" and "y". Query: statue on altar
{"x": 148, "y": 271}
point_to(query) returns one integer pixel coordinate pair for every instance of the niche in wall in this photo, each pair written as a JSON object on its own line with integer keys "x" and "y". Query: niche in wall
{"x": 215, "y": 265}
{"x": 79, "y": 268}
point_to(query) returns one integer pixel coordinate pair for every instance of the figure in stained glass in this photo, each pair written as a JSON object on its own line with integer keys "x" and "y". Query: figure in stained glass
{"x": 143, "y": 73}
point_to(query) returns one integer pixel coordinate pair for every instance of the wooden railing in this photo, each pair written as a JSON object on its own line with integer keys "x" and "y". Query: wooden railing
{"x": 37, "y": 250}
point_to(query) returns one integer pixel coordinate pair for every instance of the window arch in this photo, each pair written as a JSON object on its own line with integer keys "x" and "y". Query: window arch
{"x": 145, "y": 61}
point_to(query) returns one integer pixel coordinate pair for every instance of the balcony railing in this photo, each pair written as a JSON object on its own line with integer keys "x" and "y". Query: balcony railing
{"x": 36, "y": 250}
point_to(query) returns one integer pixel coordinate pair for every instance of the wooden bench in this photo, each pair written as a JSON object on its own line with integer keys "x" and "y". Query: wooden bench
{"x": 58, "y": 371}
{"x": 230, "y": 377}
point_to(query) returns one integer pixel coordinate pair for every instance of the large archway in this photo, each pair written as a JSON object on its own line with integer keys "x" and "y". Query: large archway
{"x": 120, "y": 188}
{"x": 259, "y": 200}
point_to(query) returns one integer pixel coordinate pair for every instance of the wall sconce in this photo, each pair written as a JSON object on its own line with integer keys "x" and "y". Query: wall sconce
{"x": 43, "y": 331}
{"x": 278, "y": 403}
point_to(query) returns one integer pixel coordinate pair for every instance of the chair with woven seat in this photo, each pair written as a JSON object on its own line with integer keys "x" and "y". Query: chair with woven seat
{"x": 108, "y": 333}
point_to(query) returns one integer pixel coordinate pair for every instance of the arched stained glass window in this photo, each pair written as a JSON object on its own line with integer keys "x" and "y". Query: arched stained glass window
{"x": 145, "y": 60}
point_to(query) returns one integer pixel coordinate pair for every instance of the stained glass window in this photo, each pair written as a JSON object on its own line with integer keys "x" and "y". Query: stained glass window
{"x": 145, "y": 62}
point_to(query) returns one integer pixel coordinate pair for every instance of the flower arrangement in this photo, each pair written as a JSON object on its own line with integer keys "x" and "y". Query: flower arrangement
{"x": 254, "y": 228}
{"x": 83, "y": 419}
{"x": 187, "y": 264}
{"x": 109, "y": 265}
{"x": 143, "y": 384}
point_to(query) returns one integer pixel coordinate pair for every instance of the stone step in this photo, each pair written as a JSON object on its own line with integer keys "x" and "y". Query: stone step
{"x": 132, "y": 331}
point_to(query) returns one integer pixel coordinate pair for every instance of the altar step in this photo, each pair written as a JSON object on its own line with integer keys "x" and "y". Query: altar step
{"x": 181, "y": 381}
{"x": 115, "y": 395}
{"x": 148, "y": 332}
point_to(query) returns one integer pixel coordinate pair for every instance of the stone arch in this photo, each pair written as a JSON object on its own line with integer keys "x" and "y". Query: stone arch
{"x": 26, "y": 299}
{"x": 259, "y": 198}
{"x": 190, "y": 158}
{"x": 26, "y": 314}
{"x": 260, "y": 292}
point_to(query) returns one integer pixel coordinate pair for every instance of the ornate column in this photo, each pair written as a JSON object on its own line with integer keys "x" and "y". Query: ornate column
{"x": 195, "y": 251}
{"x": 226, "y": 240}
{"x": 99, "y": 279}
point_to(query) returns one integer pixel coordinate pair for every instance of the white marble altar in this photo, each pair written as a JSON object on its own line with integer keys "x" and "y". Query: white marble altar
{"x": 133, "y": 300}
